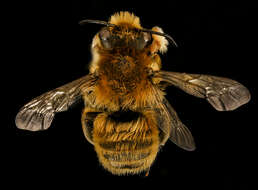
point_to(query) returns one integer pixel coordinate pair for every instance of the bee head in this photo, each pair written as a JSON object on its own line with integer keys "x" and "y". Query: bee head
{"x": 122, "y": 36}
{"x": 124, "y": 31}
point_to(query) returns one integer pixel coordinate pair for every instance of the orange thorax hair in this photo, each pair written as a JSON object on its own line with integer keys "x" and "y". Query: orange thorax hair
{"x": 123, "y": 80}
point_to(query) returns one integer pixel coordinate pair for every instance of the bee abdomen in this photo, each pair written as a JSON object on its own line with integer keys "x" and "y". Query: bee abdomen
{"x": 127, "y": 147}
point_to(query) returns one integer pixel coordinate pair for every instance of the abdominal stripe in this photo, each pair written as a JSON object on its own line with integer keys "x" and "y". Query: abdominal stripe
{"x": 131, "y": 145}
{"x": 126, "y": 156}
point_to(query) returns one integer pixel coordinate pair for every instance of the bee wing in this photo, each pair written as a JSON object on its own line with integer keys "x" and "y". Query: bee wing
{"x": 222, "y": 93}
{"x": 39, "y": 112}
{"x": 171, "y": 125}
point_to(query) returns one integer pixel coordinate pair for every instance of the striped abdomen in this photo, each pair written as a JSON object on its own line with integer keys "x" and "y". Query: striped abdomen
{"x": 126, "y": 143}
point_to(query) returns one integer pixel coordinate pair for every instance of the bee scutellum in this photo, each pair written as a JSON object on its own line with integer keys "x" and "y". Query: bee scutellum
{"x": 126, "y": 116}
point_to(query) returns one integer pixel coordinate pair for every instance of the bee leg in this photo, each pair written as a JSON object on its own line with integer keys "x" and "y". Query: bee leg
{"x": 147, "y": 173}
{"x": 87, "y": 120}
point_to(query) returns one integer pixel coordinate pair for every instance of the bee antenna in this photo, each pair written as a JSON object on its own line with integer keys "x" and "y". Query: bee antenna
{"x": 161, "y": 34}
{"x": 86, "y": 21}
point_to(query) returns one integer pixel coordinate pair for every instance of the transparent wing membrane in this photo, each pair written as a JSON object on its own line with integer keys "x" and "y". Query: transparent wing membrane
{"x": 222, "y": 93}
{"x": 39, "y": 113}
{"x": 171, "y": 125}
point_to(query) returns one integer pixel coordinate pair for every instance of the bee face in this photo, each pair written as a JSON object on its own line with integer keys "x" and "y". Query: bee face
{"x": 124, "y": 37}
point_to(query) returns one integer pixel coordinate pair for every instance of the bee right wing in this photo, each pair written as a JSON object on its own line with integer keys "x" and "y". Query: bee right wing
{"x": 39, "y": 112}
{"x": 171, "y": 125}
{"x": 222, "y": 93}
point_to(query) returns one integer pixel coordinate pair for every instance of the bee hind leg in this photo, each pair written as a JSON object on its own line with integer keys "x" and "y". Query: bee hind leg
{"x": 88, "y": 117}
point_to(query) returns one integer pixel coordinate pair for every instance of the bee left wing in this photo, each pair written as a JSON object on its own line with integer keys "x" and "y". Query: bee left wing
{"x": 222, "y": 93}
{"x": 171, "y": 125}
{"x": 39, "y": 112}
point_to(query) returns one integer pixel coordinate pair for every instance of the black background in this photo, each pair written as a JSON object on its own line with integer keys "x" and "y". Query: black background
{"x": 47, "y": 48}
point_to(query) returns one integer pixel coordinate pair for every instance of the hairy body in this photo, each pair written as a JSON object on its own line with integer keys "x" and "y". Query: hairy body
{"x": 125, "y": 128}
{"x": 126, "y": 116}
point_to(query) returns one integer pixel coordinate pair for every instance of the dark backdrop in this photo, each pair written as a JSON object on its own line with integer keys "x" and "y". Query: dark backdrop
{"x": 48, "y": 49}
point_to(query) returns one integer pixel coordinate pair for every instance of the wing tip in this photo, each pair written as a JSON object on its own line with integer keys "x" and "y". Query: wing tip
{"x": 30, "y": 120}
{"x": 238, "y": 96}
{"x": 191, "y": 149}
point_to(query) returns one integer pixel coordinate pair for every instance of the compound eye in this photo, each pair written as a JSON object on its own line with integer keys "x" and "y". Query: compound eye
{"x": 146, "y": 37}
{"x": 104, "y": 34}
{"x": 144, "y": 40}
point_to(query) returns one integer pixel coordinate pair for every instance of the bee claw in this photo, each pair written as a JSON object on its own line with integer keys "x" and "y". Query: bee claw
{"x": 147, "y": 173}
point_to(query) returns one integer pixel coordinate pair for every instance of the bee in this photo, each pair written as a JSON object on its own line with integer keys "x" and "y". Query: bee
{"x": 126, "y": 116}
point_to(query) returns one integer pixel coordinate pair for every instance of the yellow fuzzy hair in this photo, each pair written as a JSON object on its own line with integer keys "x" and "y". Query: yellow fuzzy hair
{"x": 144, "y": 129}
{"x": 125, "y": 18}
{"x": 160, "y": 43}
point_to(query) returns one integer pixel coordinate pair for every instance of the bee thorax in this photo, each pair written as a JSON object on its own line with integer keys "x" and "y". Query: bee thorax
{"x": 125, "y": 65}
{"x": 121, "y": 74}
